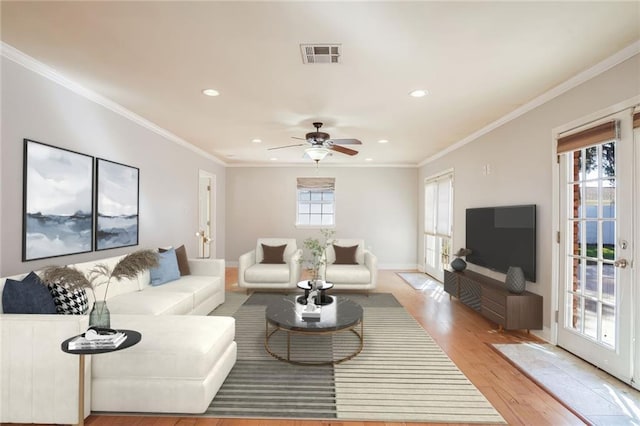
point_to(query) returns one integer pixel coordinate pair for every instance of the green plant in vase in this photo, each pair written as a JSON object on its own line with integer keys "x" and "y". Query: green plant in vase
{"x": 316, "y": 253}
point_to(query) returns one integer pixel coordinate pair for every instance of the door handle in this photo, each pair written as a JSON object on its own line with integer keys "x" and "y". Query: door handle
{"x": 621, "y": 263}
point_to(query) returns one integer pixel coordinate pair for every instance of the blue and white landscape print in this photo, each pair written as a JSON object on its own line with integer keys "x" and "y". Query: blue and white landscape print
{"x": 58, "y": 216}
{"x": 117, "y": 221}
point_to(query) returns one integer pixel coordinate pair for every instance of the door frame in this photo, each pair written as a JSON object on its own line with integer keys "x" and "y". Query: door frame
{"x": 555, "y": 211}
{"x": 212, "y": 212}
{"x": 635, "y": 261}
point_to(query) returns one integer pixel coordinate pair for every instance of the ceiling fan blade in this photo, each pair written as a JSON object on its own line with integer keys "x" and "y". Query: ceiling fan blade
{"x": 286, "y": 146}
{"x": 343, "y": 150}
{"x": 346, "y": 141}
{"x": 295, "y": 137}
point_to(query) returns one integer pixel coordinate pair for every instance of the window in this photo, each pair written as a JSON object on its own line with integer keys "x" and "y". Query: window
{"x": 315, "y": 202}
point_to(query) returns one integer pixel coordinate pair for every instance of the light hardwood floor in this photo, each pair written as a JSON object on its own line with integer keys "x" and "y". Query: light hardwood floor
{"x": 462, "y": 333}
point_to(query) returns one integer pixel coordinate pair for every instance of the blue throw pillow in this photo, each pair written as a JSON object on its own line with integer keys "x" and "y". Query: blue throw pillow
{"x": 29, "y": 296}
{"x": 167, "y": 269}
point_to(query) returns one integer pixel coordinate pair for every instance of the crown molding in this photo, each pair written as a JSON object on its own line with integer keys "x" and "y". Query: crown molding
{"x": 586, "y": 75}
{"x": 46, "y": 71}
{"x": 321, "y": 165}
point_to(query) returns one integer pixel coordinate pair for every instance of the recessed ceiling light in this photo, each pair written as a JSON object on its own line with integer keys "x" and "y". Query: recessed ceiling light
{"x": 383, "y": 141}
{"x": 256, "y": 140}
{"x": 418, "y": 93}
{"x": 210, "y": 92}
{"x": 368, "y": 159}
{"x": 273, "y": 158}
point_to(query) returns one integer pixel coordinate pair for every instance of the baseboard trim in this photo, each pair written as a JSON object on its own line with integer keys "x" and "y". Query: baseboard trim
{"x": 386, "y": 266}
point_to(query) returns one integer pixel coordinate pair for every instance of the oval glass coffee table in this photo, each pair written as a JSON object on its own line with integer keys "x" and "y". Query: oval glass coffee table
{"x": 285, "y": 314}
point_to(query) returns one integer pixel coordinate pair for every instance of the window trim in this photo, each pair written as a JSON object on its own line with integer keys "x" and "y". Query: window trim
{"x": 327, "y": 186}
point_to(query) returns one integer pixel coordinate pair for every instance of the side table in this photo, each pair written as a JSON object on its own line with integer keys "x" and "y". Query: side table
{"x": 133, "y": 337}
{"x": 322, "y": 287}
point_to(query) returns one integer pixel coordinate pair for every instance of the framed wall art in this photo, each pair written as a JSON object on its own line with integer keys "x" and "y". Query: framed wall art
{"x": 57, "y": 202}
{"x": 117, "y": 201}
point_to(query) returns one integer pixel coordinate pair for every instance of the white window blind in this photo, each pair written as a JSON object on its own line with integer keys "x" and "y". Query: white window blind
{"x": 443, "y": 224}
{"x": 437, "y": 212}
{"x": 430, "y": 190}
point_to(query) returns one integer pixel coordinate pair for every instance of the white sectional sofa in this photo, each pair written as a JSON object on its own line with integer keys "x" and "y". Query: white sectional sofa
{"x": 178, "y": 367}
{"x": 195, "y": 294}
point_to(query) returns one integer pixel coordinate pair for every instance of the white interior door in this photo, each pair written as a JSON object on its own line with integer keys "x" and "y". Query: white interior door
{"x": 438, "y": 198}
{"x": 206, "y": 224}
{"x": 595, "y": 297}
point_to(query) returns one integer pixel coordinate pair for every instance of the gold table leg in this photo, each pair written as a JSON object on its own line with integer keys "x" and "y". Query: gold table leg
{"x": 353, "y": 329}
{"x": 81, "y": 391}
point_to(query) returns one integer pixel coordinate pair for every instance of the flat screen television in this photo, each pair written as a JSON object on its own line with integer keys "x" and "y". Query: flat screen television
{"x": 499, "y": 237}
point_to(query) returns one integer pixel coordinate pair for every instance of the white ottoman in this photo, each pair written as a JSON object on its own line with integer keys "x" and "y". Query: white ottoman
{"x": 178, "y": 366}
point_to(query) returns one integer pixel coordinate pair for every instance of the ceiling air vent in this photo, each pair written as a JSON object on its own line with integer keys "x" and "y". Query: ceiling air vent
{"x": 321, "y": 53}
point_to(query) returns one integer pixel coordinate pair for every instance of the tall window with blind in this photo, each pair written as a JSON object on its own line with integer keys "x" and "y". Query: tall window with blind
{"x": 438, "y": 197}
{"x": 315, "y": 202}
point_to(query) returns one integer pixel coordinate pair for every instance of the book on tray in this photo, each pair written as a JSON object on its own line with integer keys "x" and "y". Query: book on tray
{"x": 91, "y": 340}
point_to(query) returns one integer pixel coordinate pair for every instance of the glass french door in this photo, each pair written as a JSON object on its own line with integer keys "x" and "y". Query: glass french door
{"x": 437, "y": 224}
{"x": 595, "y": 292}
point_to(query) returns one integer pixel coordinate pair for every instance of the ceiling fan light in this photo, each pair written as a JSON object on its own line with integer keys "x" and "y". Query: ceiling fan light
{"x": 316, "y": 154}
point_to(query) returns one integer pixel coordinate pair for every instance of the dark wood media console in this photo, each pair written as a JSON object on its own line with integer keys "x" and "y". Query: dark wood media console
{"x": 491, "y": 298}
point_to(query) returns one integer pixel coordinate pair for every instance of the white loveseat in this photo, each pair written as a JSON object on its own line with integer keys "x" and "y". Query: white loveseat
{"x": 252, "y": 274}
{"x": 178, "y": 366}
{"x": 363, "y": 275}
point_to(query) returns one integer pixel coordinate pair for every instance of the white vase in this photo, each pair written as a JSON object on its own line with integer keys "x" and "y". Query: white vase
{"x": 515, "y": 280}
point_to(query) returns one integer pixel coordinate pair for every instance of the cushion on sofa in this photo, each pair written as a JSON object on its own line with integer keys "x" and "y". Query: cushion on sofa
{"x": 28, "y": 296}
{"x": 273, "y": 254}
{"x": 346, "y": 242}
{"x": 202, "y": 287}
{"x": 167, "y": 269}
{"x": 171, "y": 346}
{"x": 266, "y": 273}
{"x": 345, "y": 255}
{"x": 151, "y": 303}
{"x": 348, "y": 274}
{"x": 274, "y": 242}
{"x": 69, "y": 302}
{"x": 181, "y": 257}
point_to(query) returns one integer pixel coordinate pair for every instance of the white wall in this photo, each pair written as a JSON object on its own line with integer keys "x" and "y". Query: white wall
{"x": 375, "y": 203}
{"x": 520, "y": 155}
{"x": 37, "y": 108}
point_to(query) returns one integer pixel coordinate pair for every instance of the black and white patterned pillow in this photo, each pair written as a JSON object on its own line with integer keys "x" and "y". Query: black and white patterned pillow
{"x": 69, "y": 302}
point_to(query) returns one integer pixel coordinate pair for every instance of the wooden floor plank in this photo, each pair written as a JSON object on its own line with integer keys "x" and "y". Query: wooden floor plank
{"x": 465, "y": 337}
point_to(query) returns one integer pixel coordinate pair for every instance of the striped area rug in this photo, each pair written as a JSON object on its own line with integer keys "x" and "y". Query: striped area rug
{"x": 401, "y": 374}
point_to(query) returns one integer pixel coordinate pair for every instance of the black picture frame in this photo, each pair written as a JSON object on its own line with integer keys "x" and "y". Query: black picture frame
{"x": 117, "y": 205}
{"x": 57, "y": 201}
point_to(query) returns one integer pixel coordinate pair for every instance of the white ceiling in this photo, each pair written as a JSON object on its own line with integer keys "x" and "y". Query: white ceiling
{"x": 479, "y": 61}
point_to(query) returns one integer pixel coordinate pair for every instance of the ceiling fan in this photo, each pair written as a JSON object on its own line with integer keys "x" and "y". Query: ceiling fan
{"x": 322, "y": 144}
